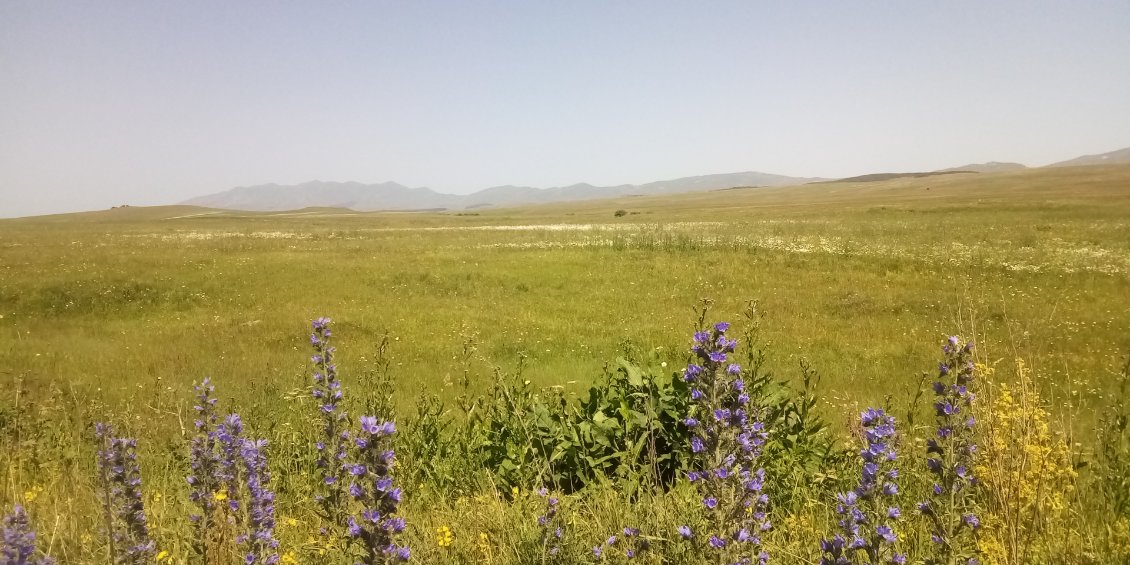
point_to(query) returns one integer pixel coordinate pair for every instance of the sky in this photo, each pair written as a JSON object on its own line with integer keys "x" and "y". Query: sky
{"x": 147, "y": 103}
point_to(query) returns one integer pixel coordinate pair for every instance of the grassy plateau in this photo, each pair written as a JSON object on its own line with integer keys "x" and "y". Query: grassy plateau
{"x": 113, "y": 316}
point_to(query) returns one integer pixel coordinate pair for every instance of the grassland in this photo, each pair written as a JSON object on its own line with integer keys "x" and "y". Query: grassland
{"x": 861, "y": 279}
{"x": 124, "y": 309}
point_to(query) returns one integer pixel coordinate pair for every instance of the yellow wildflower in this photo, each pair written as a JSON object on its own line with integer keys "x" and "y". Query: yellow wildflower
{"x": 220, "y": 496}
{"x": 292, "y": 522}
{"x": 484, "y": 545}
{"x": 162, "y": 556}
{"x": 289, "y": 558}
{"x": 33, "y": 493}
{"x": 444, "y": 537}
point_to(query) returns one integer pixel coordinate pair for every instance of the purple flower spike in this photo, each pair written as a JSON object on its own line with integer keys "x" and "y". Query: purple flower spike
{"x": 121, "y": 484}
{"x": 18, "y": 547}
{"x": 951, "y": 456}
{"x": 726, "y": 444}
{"x": 868, "y": 514}
{"x": 551, "y": 525}
{"x": 376, "y": 525}
{"x": 259, "y": 543}
{"x": 333, "y": 443}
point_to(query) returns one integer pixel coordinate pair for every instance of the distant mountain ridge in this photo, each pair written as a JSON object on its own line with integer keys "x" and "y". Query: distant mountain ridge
{"x": 395, "y": 196}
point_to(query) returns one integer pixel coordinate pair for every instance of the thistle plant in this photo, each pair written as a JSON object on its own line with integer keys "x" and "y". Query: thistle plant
{"x": 18, "y": 546}
{"x": 259, "y": 544}
{"x": 335, "y": 435}
{"x": 952, "y": 508}
{"x": 376, "y": 526}
{"x": 121, "y": 489}
{"x": 726, "y": 441}
{"x": 550, "y": 527}
{"x": 869, "y": 514}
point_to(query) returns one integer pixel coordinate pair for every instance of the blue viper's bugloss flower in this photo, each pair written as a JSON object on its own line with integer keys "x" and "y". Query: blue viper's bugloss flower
{"x": 550, "y": 525}
{"x": 229, "y": 442}
{"x": 726, "y": 441}
{"x": 335, "y": 437}
{"x": 18, "y": 546}
{"x": 869, "y": 513}
{"x": 259, "y": 544}
{"x": 203, "y": 458}
{"x": 376, "y": 526}
{"x": 121, "y": 490}
{"x": 630, "y": 544}
{"x": 951, "y": 453}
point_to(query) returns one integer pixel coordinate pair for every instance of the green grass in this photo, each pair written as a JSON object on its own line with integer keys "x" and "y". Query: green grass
{"x": 862, "y": 279}
{"x": 122, "y": 310}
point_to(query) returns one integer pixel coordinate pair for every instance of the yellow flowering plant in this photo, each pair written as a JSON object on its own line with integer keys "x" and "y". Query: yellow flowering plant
{"x": 1027, "y": 475}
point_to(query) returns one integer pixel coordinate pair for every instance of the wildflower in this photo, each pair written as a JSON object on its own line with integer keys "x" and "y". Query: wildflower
{"x": 204, "y": 463}
{"x": 121, "y": 489}
{"x": 951, "y": 512}
{"x": 229, "y": 444}
{"x": 632, "y": 546}
{"x": 726, "y": 441}
{"x": 550, "y": 525}
{"x": 869, "y": 513}
{"x": 18, "y": 547}
{"x": 376, "y": 526}
{"x": 444, "y": 537}
{"x": 484, "y": 545}
{"x": 259, "y": 542}
{"x": 332, "y": 447}
{"x": 32, "y": 493}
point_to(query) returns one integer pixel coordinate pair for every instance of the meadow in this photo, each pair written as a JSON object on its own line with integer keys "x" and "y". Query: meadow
{"x": 466, "y": 326}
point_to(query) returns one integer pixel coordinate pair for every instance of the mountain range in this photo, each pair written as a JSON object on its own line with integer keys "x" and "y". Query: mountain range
{"x": 394, "y": 196}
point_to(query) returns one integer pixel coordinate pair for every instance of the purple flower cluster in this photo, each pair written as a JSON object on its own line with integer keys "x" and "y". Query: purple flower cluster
{"x": 550, "y": 525}
{"x": 631, "y": 543}
{"x": 203, "y": 459}
{"x": 952, "y": 509}
{"x": 125, "y": 512}
{"x": 259, "y": 544}
{"x": 18, "y": 547}
{"x": 870, "y": 513}
{"x": 332, "y": 447}
{"x": 377, "y": 524}
{"x": 726, "y": 441}
{"x": 229, "y": 441}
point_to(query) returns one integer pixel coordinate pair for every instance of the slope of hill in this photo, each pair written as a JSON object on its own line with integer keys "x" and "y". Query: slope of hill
{"x": 878, "y": 177}
{"x": 1119, "y": 157}
{"x": 990, "y": 167}
{"x": 393, "y": 196}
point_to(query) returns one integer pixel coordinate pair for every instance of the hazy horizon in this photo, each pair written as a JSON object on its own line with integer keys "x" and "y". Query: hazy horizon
{"x": 154, "y": 103}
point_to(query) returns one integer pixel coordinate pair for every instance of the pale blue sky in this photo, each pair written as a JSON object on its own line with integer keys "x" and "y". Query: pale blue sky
{"x": 105, "y": 103}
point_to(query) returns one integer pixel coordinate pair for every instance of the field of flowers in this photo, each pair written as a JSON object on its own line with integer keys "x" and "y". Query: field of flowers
{"x": 548, "y": 385}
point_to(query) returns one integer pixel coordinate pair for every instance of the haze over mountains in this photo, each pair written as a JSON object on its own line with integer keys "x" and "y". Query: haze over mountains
{"x": 394, "y": 196}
